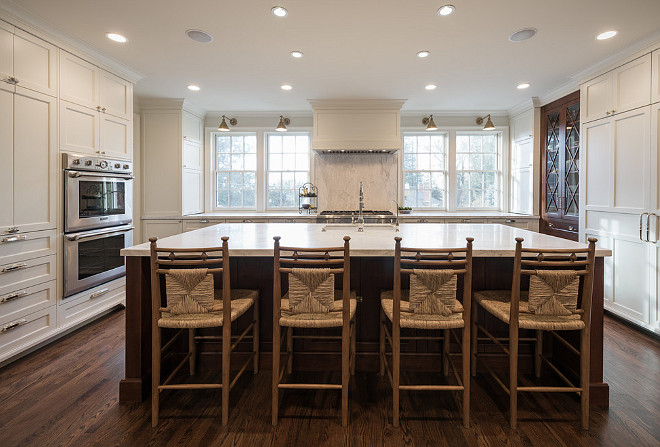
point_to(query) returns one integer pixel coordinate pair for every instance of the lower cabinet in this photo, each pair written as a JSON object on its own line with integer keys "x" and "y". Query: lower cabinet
{"x": 189, "y": 225}
{"x": 82, "y": 306}
{"x": 19, "y": 334}
{"x": 160, "y": 228}
{"x": 525, "y": 224}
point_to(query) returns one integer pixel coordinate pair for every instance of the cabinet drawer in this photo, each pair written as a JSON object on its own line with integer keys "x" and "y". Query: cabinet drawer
{"x": 77, "y": 308}
{"x": 17, "y": 247}
{"x": 189, "y": 225}
{"x": 247, "y": 220}
{"x": 27, "y": 300}
{"x": 27, "y": 273}
{"x": 19, "y": 334}
{"x": 467, "y": 220}
{"x": 513, "y": 222}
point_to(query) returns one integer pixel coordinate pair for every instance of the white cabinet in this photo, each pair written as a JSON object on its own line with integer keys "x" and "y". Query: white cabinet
{"x": 80, "y": 307}
{"x": 160, "y": 228}
{"x": 192, "y": 191}
{"x": 193, "y": 155}
{"x": 18, "y": 334}
{"x": 192, "y": 127}
{"x": 95, "y": 111}
{"x": 28, "y": 152}
{"x": 624, "y": 88}
{"x": 189, "y": 225}
{"x": 655, "y": 73}
{"x": 27, "y": 61}
{"x": 522, "y": 176}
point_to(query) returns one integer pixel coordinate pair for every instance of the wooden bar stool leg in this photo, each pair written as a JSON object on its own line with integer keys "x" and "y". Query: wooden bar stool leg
{"x": 276, "y": 371}
{"x": 255, "y": 337}
{"x": 289, "y": 350}
{"x": 396, "y": 353}
{"x": 192, "y": 348}
{"x": 353, "y": 348}
{"x": 155, "y": 375}
{"x": 465, "y": 346}
{"x": 585, "y": 358}
{"x": 445, "y": 352}
{"x": 513, "y": 376}
{"x": 538, "y": 352}
{"x": 226, "y": 355}
{"x": 345, "y": 372}
{"x": 474, "y": 332}
{"x": 382, "y": 342}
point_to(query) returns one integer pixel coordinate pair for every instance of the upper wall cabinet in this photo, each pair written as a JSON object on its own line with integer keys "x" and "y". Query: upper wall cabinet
{"x": 116, "y": 95}
{"x": 624, "y": 88}
{"x": 192, "y": 127}
{"x": 655, "y": 92}
{"x": 27, "y": 61}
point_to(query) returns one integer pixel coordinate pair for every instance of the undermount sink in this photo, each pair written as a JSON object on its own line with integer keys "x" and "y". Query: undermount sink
{"x": 346, "y": 226}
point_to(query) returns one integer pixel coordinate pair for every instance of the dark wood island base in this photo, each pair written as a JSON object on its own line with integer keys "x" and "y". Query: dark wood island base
{"x": 369, "y": 275}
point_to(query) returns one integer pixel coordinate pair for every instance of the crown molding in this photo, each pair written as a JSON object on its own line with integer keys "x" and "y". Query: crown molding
{"x": 522, "y": 107}
{"x": 149, "y": 104}
{"x": 637, "y": 49}
{"x": 492, "y": 113}
{"x": 31, "y": 23}
{"x": 559, "y": 92}
{"x": 257, "y": 114}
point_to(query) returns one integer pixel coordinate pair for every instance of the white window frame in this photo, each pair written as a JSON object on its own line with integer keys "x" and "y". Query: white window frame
{"x": 445, "y": 171}
{"x": 262, "y": 179}
{"x": 214, "y": 170}
{"x": 498, "y": 174}
{"x": 451, "y": 196}
{"x": 267, "y": 170}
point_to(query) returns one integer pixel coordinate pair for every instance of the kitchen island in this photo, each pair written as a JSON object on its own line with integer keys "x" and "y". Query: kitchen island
{"x": 372, "y": 252}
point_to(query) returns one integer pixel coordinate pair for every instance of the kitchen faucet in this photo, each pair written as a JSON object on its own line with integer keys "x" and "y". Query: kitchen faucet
{"x": 360, "y": 216}
{"x": 396, "y": 228}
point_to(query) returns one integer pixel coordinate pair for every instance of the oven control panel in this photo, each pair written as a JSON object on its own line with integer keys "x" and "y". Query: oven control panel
{"x": 76, "y": 162}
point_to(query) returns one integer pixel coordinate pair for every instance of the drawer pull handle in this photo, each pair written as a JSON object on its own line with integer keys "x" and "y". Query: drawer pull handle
{"x": 13, "y": 296}
{"x": 99, "y": 293}
{"x": 13, "y": 268}
{"x": 510, "y": 221}
{"x": 247, "y": 220}
{"x": 14, "y": 238}
{"x": 204, "y": 221}
{"x": 550, "y": 224}
{"x": 12, "y": 230}
{"x": 13, "y": 325}
{"x": 466, "y": 220}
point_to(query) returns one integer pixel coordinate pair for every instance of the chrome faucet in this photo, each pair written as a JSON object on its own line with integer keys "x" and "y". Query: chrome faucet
{"x": 360, "y": 215}
{"x": 396, "y": 227}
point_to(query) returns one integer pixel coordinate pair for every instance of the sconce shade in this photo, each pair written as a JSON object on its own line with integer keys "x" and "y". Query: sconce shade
{"x": 281, "y": 127}
{"x": 489, "y": 124}
{"x": 223, "y": 127}
{"x": 430, "y": 124}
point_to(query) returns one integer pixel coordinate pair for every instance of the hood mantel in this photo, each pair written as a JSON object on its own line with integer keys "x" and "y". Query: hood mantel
{"x": 357, "y": 125}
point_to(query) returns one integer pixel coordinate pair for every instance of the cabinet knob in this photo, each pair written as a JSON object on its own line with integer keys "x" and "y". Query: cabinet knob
{"x": 98, "y": 108}
{"x": 607, "y": 113}
{"x": 613, "y": 112}
{"x": 103, "y": 110}
{"x": 571, "y": 228}
{"x": 550, "y": 224}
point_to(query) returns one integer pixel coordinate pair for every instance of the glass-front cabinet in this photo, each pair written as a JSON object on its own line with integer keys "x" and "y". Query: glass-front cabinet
{"x": 560, "y": 153}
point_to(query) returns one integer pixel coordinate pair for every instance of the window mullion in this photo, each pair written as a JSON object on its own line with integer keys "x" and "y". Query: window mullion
{"x": 451, "y": 169}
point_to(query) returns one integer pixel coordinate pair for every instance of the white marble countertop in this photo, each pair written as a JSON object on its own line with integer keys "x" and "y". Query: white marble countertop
{"x": 295, "y": 214}
{"x": 256, "y": 239}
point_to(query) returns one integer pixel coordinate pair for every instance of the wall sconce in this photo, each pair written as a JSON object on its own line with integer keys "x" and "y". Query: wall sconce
{"x": 489, "y": 124}
{"x": 430, "y": 124}
{"x": 281, "y": 127}
{"x": 223, "y": 127}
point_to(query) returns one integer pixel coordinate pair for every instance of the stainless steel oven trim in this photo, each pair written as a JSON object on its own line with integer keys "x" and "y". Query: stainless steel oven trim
{"x": 72, "y": 284}
{"x": 73, "y": 222}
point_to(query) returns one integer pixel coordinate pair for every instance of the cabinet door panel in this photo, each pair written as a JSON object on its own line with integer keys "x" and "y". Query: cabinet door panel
{"x": 116, "y": 137}
{"x": 160, "y": 228}
{"x": 6, "y": 50}
{"x": 631, "y": 160}
{"x": 35, "y": 157}
{"x": 596, "y": 98}
{"x": 79, "y": 128}
{"x": 631, "y": 269}
{"x": 35, "y": 63}
{"x": 193, "y": 157}
{"x": 116, "y": 95}
{"x": 632, "y": 82}
{"x": 191, "y": 127}
{"x": 6, "y": 157}
{"x": 598, "y": 140}
{"x": 655, "y": 72}
{"x": 192, "y": 193}
{"x": 79, "y": 81}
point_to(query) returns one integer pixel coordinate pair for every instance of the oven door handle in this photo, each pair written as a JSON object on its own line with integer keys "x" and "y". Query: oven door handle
{"x": 77, "y": 174}
{"x": 104, "y": 232}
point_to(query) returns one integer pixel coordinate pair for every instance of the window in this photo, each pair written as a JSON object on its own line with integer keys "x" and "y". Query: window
{"x": 235, "y": 171}
{"x": 288, "y": 168}
{"x": 424, "y": 172}
{"x": 477, "y": 172}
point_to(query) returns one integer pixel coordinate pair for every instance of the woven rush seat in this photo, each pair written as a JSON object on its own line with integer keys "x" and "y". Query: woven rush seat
{"x": 241, "y": 301}
{"x": 412, "y": 320}
{"x": 317, "y": 320}
{"x": 497, "y": 302}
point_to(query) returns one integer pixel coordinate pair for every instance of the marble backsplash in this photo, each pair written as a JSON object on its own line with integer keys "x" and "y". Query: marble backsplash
{"x": 338, "y": 177}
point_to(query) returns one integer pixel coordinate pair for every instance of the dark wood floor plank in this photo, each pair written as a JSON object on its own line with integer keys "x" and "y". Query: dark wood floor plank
{"x": 66, "y": 394}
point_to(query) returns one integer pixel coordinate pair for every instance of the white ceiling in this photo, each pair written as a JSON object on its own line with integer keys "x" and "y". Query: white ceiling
{"x": 353, "y": 49}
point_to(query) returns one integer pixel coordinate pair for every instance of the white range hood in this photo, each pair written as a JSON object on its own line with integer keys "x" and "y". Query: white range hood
{"x": 357, "y": 126}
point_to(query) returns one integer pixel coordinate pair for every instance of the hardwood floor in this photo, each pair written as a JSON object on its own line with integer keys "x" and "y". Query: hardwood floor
{"x": 66, "y": 394}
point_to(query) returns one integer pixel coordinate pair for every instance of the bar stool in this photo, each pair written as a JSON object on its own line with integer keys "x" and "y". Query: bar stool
{"x": 193, "y": 303}
{"x": 552, "y": 305}
{"x": 312, "y": 302}
{"x": 429, "y": 304}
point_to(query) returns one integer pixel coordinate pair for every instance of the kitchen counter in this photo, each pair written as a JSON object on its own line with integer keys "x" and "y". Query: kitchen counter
{"x": 256, "y": 239}
{"x": 372, "y": 266}
{"x": 295, "y": 214}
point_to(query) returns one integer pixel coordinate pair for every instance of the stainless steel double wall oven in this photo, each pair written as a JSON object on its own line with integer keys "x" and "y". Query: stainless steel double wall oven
{"x": 98, "y": 218}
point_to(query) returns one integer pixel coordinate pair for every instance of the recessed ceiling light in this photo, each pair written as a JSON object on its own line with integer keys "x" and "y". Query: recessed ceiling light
{"x": 116, "y": 37}
{"x": 194, "y": 88}
{"x": 446, "y": 10}
{"x": 279, "y": 11}
{"x": 423, "y": 54}
{"x": 523, "y": 34}
{"x": 297, "y": 54}
{"x": 199, "y": 36}
{"x": 431, "y": 87}
{"x": 522, "y": 86}
{"x": 606, "y": 35}
{"x": 285, "y": 87}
